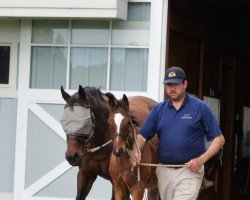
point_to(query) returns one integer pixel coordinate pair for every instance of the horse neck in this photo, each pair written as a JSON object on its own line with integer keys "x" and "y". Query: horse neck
{"x": 102, "y": 133}
{"x": 132, "y": 136}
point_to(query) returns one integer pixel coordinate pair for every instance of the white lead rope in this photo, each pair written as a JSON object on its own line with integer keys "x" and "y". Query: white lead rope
{"x": 99, "y": 147}
{"x": 151, "y": 164}
{"x": 160, "y": 165}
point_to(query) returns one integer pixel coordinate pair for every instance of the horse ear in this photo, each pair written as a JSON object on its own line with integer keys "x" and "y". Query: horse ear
{"x": 65, "y": 95}
{"x": 112, "y": 99}
{"x": 125, "y": 100}
{"x": 81, "y": 92}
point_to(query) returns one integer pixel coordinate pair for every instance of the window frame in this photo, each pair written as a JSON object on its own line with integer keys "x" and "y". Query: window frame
{"x": 156, "y": 60}
{"x": 69, "y": 45}
{"x": 7, "y": 84}
{"x": 9, "y": 90}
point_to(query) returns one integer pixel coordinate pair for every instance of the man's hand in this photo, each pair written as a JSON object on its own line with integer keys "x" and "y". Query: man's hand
{"x": 213, "y": 149}
{"x": 194, "y": 164}
{"x": 216, "y": 145}
{"x": 140, "y": 142}
{"x": 135, "y": 161}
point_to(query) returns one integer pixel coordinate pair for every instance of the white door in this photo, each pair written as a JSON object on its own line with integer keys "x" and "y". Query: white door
{"x": 41, "y": 171}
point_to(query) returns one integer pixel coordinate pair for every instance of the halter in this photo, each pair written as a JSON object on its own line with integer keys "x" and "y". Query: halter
{"x": 77, "y": 132}
{"x": 129, "y": 151}
{"x": 126, "y": 138}
{"x": 79, "y": 123}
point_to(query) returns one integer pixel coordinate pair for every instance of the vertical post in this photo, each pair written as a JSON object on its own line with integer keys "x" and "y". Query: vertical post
{"x": 22, "y": 109}
{"x": 201, "y": 69}
{"x": 227, "y": 125}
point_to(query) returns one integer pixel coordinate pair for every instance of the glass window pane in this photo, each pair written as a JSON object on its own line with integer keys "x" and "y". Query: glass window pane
{"x": 129, "y": 69}
{"x": 48, "y": 67}
{"x": 90, "y": 32}
{"x": 4, "y": 64}
{"x": 134, "y": 31}
{"x": 88, "y": 67}
{"x": 139, "y": 11}
{"x": 50, "y": 32}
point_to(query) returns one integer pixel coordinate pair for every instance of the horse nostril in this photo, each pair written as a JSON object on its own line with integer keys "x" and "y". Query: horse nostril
{"x": 72, "y": 158}
{"x": 118, "y": 152}
{"x": 76, "y": 156}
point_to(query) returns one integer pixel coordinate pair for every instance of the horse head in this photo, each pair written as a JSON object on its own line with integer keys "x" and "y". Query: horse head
{"x": 85, "y": 115}
{"x": 122, "y": 125}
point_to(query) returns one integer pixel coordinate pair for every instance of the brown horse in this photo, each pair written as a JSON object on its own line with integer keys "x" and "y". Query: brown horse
{"x": 85, "y": 122}
{"x": 126, "y": 119}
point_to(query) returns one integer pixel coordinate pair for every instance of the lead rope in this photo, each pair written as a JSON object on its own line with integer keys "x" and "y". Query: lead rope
{"x": 138, "y": 167}
{"x": 151, "y": 164}
{"x": 148, "y": 164}
{"x": 99, "y": 147}
{"x": 92, "y": 133}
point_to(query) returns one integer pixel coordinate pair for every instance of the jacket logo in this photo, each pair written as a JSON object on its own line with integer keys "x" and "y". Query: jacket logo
{"x": 171, "y": 74}
{"x": 186, "y": 116}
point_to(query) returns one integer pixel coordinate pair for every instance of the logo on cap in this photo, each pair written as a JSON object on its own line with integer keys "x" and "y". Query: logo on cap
{"x": 171, "y": 74}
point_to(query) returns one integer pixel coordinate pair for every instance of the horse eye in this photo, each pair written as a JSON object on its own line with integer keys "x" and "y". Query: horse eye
{"x": 128, "y": 124}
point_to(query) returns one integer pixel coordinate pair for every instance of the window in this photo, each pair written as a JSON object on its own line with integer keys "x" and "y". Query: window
{"x": 112, "y": 55}
{"x": 49, "y": 54}
{"x": 4, "y": 64}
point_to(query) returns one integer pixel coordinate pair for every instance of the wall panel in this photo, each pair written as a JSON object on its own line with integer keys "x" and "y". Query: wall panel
{"x": 184, "y": 51}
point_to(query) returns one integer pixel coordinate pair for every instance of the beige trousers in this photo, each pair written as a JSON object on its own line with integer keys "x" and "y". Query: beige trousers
{"x": 178, "y": 184}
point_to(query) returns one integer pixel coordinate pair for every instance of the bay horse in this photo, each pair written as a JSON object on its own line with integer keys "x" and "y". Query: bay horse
{"x": 126, "y": 118}
{"x": 85, "y": 122}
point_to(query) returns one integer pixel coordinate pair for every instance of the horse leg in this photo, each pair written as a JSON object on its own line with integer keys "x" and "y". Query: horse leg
{"x": 118, "y": 192}
{"x": 124, "y": 194}
{"x": 136, "y": 193}
{"x": 153, "y": 194}
{"x": 121, "y": 191}
{"x": 113, "y": 191}
{"x": 84, "y": 184}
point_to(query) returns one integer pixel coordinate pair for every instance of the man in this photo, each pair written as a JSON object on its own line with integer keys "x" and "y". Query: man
{"x": 181, "y": 123}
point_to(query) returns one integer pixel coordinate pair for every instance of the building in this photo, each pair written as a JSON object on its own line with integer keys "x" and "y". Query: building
{"x": 121, "y": 46}
{"x": 112, "y": 44}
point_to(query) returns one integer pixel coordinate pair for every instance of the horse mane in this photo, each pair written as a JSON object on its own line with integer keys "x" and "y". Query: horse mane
{"x": 94, "y": 94}
{"x": 134, "y": 120}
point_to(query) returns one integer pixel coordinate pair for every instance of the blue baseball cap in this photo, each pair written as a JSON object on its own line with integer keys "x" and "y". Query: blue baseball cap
{"x": 174, "y": 75}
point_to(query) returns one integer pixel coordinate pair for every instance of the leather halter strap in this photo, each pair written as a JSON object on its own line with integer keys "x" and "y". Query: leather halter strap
{"x": 119, "y": 135}
{"x": 123, "y": 137}
{"x": 78, "y": 136}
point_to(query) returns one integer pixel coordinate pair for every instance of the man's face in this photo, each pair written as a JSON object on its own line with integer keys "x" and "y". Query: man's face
{"x": 176, "y": 91}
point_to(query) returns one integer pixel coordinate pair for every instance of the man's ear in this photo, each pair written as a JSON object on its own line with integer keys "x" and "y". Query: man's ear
{"x": 185, "y": 84}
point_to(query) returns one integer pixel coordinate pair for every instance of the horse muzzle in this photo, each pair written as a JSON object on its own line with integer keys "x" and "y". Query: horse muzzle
{"x": 73, "y": 159}
{"x": 118, "y": 152}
